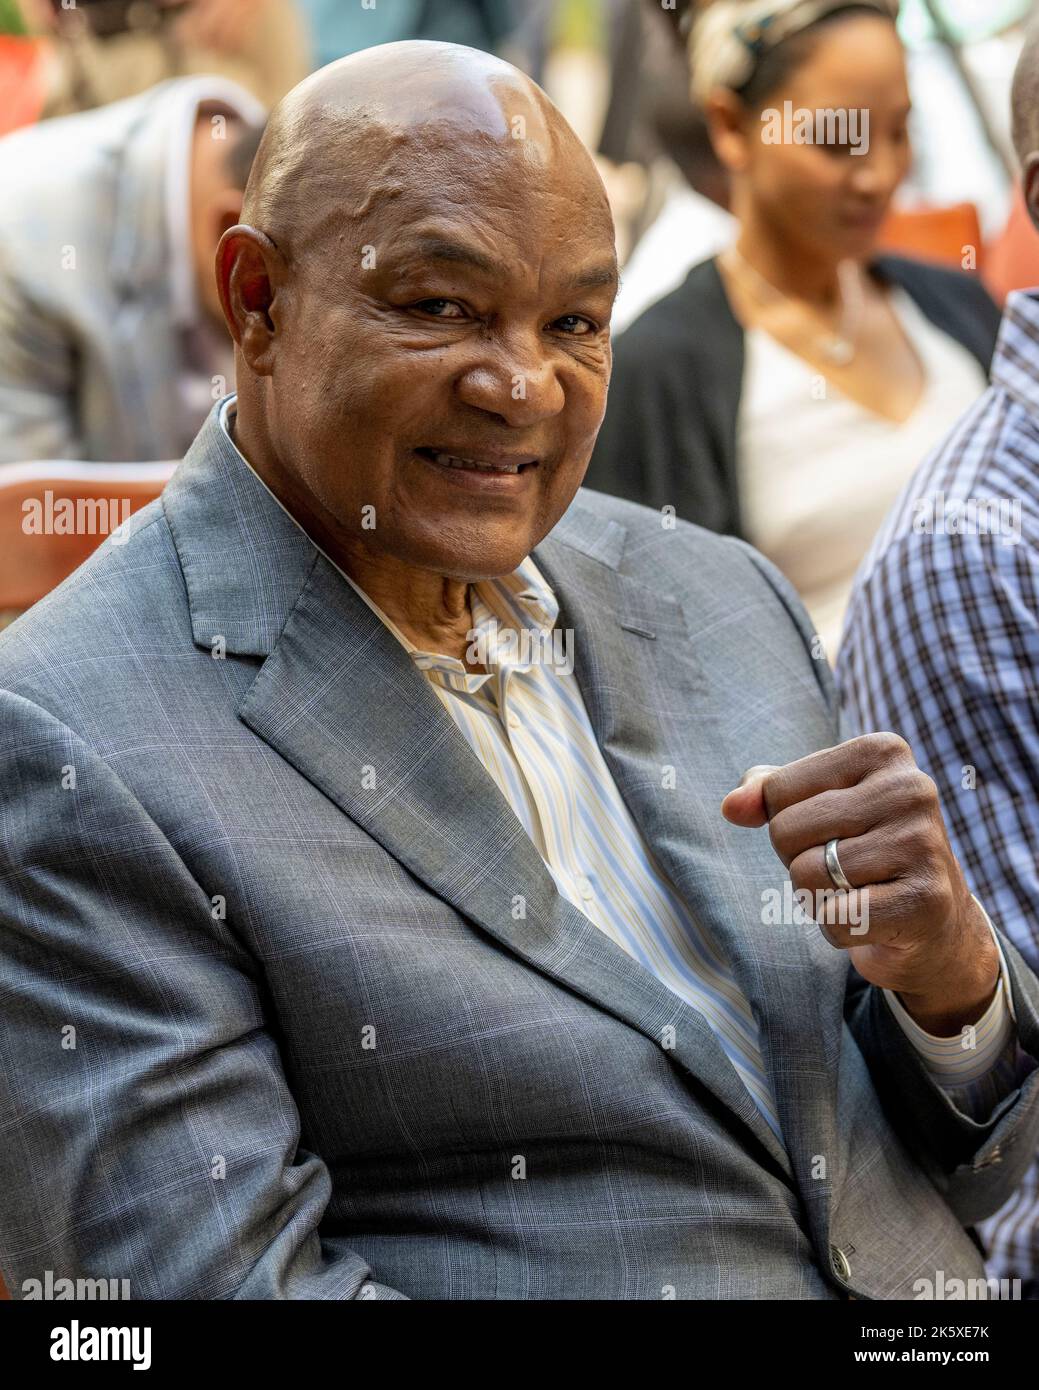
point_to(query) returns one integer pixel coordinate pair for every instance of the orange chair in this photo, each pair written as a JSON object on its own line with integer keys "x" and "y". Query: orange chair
{"x": 54, "y": 514}
{"x": 934, "y": 234}
{"x": 1013, "y": 259}
{"x": 23, "y": 80}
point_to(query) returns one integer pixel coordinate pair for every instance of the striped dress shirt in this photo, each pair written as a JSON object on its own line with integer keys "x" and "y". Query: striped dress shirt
{"x": 942, "y": 646}
{"x": 526, "y": 721}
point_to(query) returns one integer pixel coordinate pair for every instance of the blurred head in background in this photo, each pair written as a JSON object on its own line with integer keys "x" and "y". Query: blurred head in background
{"x": 219, "y": 171}
{"x": 112, "y": 351}
{"x": 682, "y": 131}
{"x": 782, "y": 81}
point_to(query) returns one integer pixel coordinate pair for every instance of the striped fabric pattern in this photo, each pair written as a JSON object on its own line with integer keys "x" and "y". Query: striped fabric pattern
{"x": 942, "y": 646}
{"x": 961, "y": 1065}
{"x": 982, "y": 1065}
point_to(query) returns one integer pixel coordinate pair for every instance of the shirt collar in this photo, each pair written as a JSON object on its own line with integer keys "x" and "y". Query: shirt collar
{"x": 1015, "y": 365}
{"x": 495, "y": 603}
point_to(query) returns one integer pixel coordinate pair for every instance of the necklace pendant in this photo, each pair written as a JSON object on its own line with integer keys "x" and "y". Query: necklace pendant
{"x": 839, "y": 351}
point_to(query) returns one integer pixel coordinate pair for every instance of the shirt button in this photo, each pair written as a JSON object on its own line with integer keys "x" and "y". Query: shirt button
{"x": 839, "y": 1264}
{"x": 513, "y": 721}
{"x": 584, "y": 887}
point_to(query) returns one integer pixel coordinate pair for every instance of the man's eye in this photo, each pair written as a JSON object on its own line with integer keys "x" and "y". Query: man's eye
{"x": 575, "y": 325}
{"x": 437, "y": 308}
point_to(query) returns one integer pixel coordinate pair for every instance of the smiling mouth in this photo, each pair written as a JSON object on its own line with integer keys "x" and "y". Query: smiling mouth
{"x": 504, "y": 466}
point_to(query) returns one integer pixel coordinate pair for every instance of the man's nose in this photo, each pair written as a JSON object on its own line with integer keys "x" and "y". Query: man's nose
{"x": 520, "y": 384}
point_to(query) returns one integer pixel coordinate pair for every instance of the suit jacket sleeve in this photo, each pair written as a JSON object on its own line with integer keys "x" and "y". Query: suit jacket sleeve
{"x": 149, "y": 1130}
{"x": 976, "y": 1165}
{"x": 37, "y": 387}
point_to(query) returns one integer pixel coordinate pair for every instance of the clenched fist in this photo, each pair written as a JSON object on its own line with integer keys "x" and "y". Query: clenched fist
{"x": 925, "y": 936}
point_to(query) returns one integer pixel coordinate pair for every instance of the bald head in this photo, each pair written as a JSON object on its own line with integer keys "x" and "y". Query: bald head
{"x": 408, "y": 123}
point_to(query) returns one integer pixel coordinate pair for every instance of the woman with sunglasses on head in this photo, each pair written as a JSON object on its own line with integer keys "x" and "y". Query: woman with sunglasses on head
{"x": 786, "y": 391}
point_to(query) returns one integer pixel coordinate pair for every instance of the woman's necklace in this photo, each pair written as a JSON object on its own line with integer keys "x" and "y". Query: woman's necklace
{"x": 837, "y": 347}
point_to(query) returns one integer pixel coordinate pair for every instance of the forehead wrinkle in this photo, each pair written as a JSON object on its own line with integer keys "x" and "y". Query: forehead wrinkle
{"x": 325, "y": 168}
{"x": 504, "y": 229}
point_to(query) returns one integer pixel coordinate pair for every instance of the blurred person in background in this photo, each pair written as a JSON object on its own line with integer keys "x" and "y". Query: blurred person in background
{"x": 693, "y": 214}
{"x": 112, "y": 341}
{"x": 100, "y": 51}
{"x": 786, "y": 391}
{"x": 338, "y": 29}
{"x": 942, "y": 642}
{"x": 961, "y": 59}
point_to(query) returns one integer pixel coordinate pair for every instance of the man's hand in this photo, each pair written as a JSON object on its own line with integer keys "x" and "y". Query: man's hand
{"x": 925, "y": 937}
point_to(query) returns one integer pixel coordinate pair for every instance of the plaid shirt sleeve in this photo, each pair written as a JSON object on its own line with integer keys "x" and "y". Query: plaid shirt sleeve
{"x": 941, "y": 646}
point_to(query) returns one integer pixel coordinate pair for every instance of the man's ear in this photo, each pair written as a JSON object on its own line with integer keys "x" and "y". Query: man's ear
{"x": 249, "y": 272}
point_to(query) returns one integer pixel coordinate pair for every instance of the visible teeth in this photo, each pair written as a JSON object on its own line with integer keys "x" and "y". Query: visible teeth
{"x": 449, "y": 461}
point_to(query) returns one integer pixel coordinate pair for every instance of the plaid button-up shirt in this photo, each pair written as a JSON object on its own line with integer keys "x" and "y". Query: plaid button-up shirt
{"x": 942, "y": 646}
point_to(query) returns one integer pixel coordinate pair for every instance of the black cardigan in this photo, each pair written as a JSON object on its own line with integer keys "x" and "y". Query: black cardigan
{"x": 670, "y": 430}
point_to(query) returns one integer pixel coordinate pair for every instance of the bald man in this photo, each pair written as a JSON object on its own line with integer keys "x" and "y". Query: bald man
{"x": 942, "y": 640}
{"x": 373, "y": 925}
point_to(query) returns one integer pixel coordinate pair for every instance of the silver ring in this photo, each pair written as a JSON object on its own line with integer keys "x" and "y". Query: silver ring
{"x": 838, "y": 877}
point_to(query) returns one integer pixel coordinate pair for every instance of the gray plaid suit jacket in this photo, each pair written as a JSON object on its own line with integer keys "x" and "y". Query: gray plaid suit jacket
{"x": 272, "y": 1028}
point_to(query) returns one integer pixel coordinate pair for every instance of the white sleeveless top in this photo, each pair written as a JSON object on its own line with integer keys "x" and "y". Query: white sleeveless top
{"x": 818, "y": 476}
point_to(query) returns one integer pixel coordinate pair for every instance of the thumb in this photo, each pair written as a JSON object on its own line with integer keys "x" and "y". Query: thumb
{"x": 745, "y": 805}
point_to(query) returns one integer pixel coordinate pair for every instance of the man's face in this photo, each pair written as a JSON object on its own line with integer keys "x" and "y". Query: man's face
{"x": 462, "y": 321}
